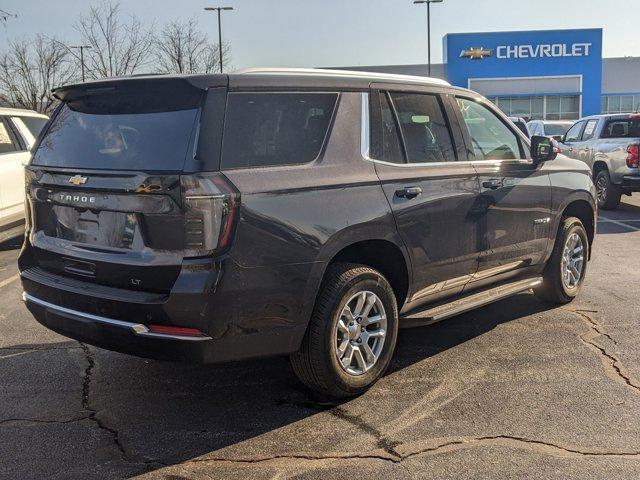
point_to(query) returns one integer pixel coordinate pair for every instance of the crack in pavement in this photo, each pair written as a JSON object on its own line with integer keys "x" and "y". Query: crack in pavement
{"x": 38, "y": 421}
{"x": 382, "y": 442}
{"x": 613, "y": 366}
{"x": 404, "y": 451}
{"x": 93, "y": 414}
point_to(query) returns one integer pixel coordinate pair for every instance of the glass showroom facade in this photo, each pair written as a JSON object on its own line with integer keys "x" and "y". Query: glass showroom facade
{"x": 555, "y": 107}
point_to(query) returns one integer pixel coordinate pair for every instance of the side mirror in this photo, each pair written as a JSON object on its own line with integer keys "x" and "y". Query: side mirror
{"x": 543, "y": 149}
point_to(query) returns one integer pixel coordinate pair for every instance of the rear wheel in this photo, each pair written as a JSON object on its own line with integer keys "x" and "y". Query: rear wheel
{"x": 566, "y": 269}
{"x": 608, "y": 193}
{"x": 352, "y": 333}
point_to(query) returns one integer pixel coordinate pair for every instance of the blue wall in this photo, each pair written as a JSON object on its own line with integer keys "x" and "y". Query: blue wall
{"x": 541, "y": 53}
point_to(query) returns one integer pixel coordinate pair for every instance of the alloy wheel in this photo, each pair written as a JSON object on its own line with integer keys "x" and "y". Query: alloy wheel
{"x": 572, "y": 261}
{"x": 360, "y": 333}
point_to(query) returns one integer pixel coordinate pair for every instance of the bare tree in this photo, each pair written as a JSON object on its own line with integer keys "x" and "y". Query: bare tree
{"x": 30, "y": 69}
{"x": 182, "y": 48}
{"x": 118, "y": 47}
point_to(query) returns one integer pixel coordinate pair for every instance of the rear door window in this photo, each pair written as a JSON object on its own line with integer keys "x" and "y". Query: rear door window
{"x": 589, "y": 130}
{"x": 29, "y": 127}
{"x": 490, "y": 137}
{"x": 118, "y": 133}
{"x": 426, "y": 135}
{"x": 625, "y": 128}
{"x": 270, "y": 129}
{"x": 391, "y": 142}
{"x": 7, "y": 142}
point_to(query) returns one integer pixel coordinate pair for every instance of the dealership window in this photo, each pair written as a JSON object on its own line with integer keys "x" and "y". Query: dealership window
{"x": 540, "y": 107}
{"x": 620, "y": 103}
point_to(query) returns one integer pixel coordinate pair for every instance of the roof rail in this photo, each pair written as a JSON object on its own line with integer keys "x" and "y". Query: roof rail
{"x": 342, "y": 73}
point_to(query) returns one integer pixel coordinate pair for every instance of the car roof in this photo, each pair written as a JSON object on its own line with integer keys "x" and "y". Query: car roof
{"x": 265, "y": 78}
{"x": 20, "y": 112}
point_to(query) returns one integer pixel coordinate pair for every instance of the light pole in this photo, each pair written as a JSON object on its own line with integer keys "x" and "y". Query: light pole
{"x": 428, "y": 2}
{"x": 219, "y": 10}
{"x": 82, "y": 49}
{"x": 77, "y": 47}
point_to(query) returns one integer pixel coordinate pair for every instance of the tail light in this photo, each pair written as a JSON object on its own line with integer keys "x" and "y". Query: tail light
{"x": 211, "y": 205}
{"x": 633, "y": 156}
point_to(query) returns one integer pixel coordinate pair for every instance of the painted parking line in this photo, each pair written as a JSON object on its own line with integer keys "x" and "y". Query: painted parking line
{"x": 619, "y": 223}
{"x": 9, "y": 280}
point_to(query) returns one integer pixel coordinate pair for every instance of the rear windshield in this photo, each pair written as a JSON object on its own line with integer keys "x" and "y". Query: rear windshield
{"x": 92, "y": 136}
{"x": 267, "y": 129}
{"x": 628, "y": 128}
{"x": 557, "y": 128}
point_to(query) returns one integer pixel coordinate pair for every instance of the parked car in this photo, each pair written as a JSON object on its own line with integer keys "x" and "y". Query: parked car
{"x": 610, "y": 146}
{"x": 306, "y": 213}
{"x": 18, "y": 132}
{"x": 550, "y": 128}
{"x": 521, "y": 123}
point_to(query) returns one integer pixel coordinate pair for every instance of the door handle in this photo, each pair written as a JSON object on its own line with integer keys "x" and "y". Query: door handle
{"x": 493, "y": 184}
{"x": 409, "y": 192}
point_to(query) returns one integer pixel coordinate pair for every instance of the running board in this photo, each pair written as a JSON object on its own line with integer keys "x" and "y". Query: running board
{"x": 442, "y": 312}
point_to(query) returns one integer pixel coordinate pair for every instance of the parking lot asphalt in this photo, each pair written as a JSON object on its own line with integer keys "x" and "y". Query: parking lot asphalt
{"x": 517, "y": 389}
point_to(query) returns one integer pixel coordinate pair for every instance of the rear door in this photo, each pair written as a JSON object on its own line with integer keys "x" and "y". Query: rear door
{"x": 107, "y": 179}
{"x": 13, "y": 154}
{"x": 515, "y": 194}
{"x": 432, "y": 195}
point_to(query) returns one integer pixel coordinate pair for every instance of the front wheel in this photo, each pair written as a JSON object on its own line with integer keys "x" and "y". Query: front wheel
{"x": 352, "y": 333}
{"x": 565, "y": 271}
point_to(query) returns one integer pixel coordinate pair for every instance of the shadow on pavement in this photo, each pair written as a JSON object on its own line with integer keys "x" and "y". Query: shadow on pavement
{"x": 625, "y": 219}
{"x": 170, "y": 413}
{"x": 12, "y": 244}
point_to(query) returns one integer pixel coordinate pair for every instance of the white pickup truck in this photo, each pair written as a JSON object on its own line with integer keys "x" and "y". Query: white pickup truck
{"x": 19, "y": 130}
{"x": 610, "y": 145}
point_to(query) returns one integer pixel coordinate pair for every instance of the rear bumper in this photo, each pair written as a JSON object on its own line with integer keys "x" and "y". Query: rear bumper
{"x": 243, "y": 312}
{"x": 631, "y": 183}
{"x": 126, "y": 337}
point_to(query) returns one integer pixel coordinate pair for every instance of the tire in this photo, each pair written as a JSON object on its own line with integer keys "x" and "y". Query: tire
{"x": 317, "y": 362}
{"x": 608, "y": 193}
{"x": 555, "y": 286}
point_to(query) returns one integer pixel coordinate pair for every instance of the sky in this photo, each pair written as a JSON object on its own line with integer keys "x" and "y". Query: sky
{"x": 313, "y": 33}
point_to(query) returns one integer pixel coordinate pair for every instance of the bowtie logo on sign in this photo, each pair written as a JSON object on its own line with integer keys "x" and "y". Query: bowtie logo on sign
{"x": 506, "y": 52}
{"x": 476, "y": 53}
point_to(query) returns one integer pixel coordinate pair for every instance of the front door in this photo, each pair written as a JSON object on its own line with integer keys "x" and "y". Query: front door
{"x": 432, "y": 195}
{"x": 515, "y": 193}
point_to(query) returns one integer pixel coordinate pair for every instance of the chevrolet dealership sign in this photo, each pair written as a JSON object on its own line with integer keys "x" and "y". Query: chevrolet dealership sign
{"x": 485, "y": 57}
{"x": 541, "y": 51}
{"x": 529, "y": 51}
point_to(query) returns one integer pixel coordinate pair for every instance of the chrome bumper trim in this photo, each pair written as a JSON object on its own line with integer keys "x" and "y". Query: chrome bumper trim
{"x": 136, "y": 328}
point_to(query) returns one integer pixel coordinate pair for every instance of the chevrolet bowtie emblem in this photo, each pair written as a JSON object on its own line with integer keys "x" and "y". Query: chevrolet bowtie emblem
{"x": 475, "y": 53}
{"x": 78, "y": 180}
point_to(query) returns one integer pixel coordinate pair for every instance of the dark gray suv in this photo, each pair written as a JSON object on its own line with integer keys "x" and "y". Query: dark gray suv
{"x": 306, "y": 213}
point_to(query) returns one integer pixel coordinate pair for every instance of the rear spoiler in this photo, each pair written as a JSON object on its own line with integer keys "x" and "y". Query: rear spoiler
{"x": 171, "y": 85}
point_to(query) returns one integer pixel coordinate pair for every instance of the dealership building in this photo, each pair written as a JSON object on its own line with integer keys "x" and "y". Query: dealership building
{"x": 552, "y": 74}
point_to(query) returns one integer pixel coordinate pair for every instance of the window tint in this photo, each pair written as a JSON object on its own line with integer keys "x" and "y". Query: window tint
{"x": 391, "y": 143}
{"x": 267, "y": 129}
{"x": 574, "y": 133}
{"x": 424, "y": 128}
{"x": 6, "y": 142}
{"x": 589, "y": 130}
{"x": 491, "y": 138}
{"x": 131, "y": 141}
{"x": 622, "y": 128}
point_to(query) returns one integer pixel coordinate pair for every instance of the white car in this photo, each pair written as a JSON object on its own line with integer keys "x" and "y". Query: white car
{"x": 18, "y": 132}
